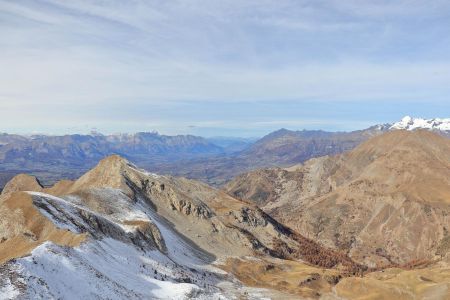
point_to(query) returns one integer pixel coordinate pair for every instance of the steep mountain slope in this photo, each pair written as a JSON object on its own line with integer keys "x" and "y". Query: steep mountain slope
{"x": 138, "y": 235}
{"x": 112, "y": 262}
{"x": 385, "y": 202}
{"x": 22, "y": 182}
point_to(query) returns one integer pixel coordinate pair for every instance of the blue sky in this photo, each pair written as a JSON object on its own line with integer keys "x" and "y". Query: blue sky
{"x": 212, "y": 68}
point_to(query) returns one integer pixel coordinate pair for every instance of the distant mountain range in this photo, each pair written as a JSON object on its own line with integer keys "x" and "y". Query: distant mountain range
{"x": 213, "y": 160}
{"x": 77, "y": 149}
{"x": 280, "y": 148}
{"x": 53, "y": 157}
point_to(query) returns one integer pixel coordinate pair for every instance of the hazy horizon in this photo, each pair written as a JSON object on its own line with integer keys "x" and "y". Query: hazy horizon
{"x": 95, "y": 131}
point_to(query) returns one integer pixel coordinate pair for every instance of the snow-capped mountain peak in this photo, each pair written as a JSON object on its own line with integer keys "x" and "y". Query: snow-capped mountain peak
{"x": 409, "y": 123}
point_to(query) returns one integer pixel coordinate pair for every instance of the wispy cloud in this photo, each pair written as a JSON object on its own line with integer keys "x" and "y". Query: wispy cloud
{"x": 94, "y": 62}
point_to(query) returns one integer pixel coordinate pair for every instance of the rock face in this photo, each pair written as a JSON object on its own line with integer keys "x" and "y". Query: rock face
{"x": 216, "y": 222}
{"x": 23, "y": 228}
{"x": 385, "y": 202}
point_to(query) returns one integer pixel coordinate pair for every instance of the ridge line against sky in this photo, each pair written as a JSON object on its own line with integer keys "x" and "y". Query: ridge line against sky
{"x": 211, "y": 68}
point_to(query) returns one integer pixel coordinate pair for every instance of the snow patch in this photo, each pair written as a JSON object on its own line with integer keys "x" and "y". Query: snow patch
{"x": 149, "y": 174}
{"x": 8, "y": 291}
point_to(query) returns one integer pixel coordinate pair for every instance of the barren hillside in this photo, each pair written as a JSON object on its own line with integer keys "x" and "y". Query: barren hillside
{"x": 385, "y": 202}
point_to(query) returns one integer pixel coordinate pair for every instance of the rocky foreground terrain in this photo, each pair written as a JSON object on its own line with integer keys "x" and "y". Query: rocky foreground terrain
{"x": 369, "y": 224}
{"x": 139, "y": 235}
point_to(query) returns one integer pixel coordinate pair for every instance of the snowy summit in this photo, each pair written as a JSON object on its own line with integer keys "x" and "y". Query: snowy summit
{"x": 409, "y": 123}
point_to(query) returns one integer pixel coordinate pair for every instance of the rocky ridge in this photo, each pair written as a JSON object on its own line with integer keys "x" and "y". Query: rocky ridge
{"x": 160, "y": 218}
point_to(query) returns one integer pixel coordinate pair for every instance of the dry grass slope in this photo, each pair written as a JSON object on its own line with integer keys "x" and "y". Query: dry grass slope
{"x": 23, "y": 228}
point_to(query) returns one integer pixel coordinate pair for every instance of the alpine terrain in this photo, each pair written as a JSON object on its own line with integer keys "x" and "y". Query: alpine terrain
{"x": 371, "y": 223}
{"x": 120, "y": 232}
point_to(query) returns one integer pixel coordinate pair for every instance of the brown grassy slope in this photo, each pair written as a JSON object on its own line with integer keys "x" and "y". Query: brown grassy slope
{"x": 429, "y": 283}
{"x": 23, "y": 228}
{"x": 385, "y": 201}
{"x": 406, "y": 162}
{"x": 294, "y": 278}
{"x": 22, "y": 182}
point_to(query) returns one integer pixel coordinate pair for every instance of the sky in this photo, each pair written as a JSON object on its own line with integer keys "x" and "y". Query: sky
{"x": 220, "y": 68}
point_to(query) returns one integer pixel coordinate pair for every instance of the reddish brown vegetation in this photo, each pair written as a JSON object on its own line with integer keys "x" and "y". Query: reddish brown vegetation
{"x": 317, "y": 255}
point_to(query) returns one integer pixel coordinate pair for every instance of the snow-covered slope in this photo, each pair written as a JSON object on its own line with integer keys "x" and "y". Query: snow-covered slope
{"x": 114, "y": 263}
{"x": 409, "y": 123}
{"x": 106, "y": 269}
